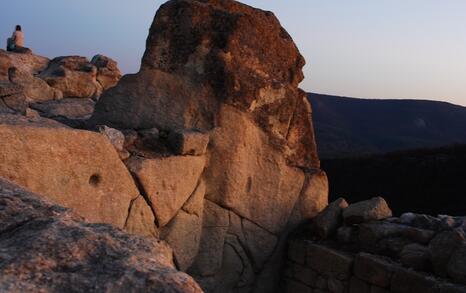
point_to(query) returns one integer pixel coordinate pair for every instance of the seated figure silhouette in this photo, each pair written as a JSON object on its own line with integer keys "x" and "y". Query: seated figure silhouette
{"x": 16, "y": 42}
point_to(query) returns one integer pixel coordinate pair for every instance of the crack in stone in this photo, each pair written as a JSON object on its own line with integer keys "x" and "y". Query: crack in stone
{"x": 145, "y": 196}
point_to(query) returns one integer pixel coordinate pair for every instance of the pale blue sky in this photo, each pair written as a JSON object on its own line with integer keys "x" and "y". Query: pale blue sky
{"x": 362, "y": 48}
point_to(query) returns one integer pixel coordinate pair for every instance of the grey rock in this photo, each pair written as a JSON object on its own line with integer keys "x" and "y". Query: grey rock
{"x": 369, "y": 210}
{"x": 416, "y": 256}
{"x": 116, "y": 137}
{"x": 328, "y": 261}
{"x": 326, "y": 223}
{"x": 46, "y": 248}
{"x": 373, "y": 269}
{"x": 407, "y": 281}
{"x": 442, "y": 247}
{"x": 358, "y": 286}
{"x": 456, "y": 267}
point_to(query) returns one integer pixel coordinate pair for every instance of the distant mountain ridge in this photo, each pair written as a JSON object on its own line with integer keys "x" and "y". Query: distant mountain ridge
{"x": 348, "y": 127}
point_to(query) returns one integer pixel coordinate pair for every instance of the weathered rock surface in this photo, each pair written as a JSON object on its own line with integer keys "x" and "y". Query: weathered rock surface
{"x": 69, "y": 108}
{"x": 313, "y": 198}
{"x": 412, "y": 253}
{"x": 77, "y": 169}
{"x": 141, "y": 220}
{"x": 167, "y": 182}
{"x": 29, "y": 63}
{"x": 222, "y": 44}
{"x": 74, "y": 76}
{"x": 108, "y": 73}
{"x": 442, "y": 247}
{"x": 189, "y": 142}
{"x": 231, "y": 73}
{"x": 45, "y": 248}
{"x": 364, "y": 211}
{"x": 330, "y": 219}
{"x": 43, "y": 83}
{"x": 249, "y": 177}
{"x": 33, "y": 88}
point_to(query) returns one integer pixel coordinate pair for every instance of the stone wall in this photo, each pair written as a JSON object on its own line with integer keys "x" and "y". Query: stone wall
{"x": 314, "y": 267}
{"x": 362, "y": 248}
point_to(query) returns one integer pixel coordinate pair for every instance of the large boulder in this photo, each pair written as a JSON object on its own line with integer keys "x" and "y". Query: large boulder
{"x": 46, "y": 248}
{"x": 243, "y": 57}
{"x": 77, "y": 169}
{"x": 231, "y": 73}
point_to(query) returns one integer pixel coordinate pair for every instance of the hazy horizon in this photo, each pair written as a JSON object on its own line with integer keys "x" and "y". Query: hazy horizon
{"x": 385, "y": 49}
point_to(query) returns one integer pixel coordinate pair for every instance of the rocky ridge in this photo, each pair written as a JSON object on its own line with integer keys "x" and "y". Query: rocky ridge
{"x": 64, "y": 89}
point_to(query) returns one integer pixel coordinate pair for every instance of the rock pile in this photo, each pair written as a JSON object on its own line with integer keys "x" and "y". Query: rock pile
{"x": 46, "y": 248}
{"x": 360, "y": 247}
{"x": 64, "y": 88}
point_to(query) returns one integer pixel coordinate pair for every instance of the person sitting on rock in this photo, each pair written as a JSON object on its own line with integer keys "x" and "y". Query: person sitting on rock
{"x": 17, "y": 40}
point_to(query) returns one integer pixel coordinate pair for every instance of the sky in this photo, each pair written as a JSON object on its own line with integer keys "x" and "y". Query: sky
{"x": 360, "y": 48}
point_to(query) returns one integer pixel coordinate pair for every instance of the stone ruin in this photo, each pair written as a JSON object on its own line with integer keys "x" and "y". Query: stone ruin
{"x": 361, "y": 248}
{"x": 207, "y": 157}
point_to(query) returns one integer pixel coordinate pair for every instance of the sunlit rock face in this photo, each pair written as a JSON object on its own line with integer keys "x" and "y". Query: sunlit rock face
{"x": 47, "y": 248}
{"x": 230, "y": 72}
{"x": 64, "y": 88}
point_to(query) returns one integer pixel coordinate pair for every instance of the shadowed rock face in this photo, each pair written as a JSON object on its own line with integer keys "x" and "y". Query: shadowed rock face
{"x": 46, "y": 248}
{"x": 231, "y": 73}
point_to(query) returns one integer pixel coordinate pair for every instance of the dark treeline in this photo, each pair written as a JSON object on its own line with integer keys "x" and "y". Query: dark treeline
{"x": 431, "y": 181}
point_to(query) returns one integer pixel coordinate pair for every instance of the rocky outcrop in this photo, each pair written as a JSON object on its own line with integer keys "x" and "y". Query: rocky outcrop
{"x": 216, "y": 102}
{"x": 28, "y": 79}
{"x": 412, "y": 253}
{"x": 74, "y": 76}
{"x": 77, "y": 169}
{"x": 46, "y": 248}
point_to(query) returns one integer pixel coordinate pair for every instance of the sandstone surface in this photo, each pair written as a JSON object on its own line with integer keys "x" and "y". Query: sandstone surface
{"x": 43, "y": 83}
{"x": 224, "y": 75}
{"x": 46, "y": 248}
{"x": 167, "y": 182}
{"x": 78, "y": 169}
{"x": 74, "y": 76}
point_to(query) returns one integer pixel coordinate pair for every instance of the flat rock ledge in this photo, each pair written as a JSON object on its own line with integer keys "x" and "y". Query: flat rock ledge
{"x": 46, "y": 248}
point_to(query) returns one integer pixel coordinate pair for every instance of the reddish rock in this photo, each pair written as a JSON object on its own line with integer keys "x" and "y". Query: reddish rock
{"x": 108, "y": 73}
{"x": 167, "y": 182}
{"x": 229, "y": 70}
{"x": 77, "y": 169}
{"x": 74, "y": 76}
